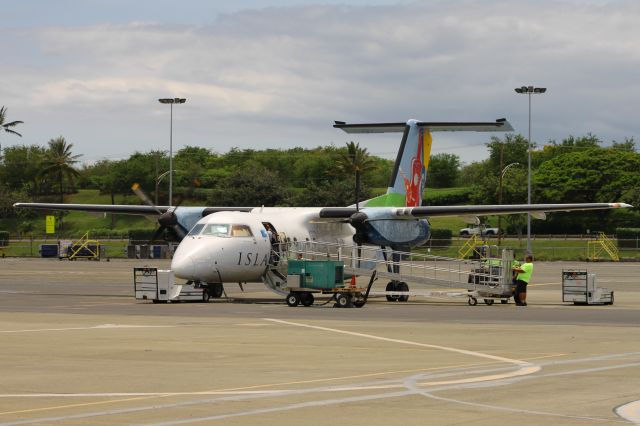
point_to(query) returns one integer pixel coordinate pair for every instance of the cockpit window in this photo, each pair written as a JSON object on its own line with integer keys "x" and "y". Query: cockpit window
{"x": 196, "y": 229}
{"x": 241, "y": 231}
{"x": 217, "y": 229}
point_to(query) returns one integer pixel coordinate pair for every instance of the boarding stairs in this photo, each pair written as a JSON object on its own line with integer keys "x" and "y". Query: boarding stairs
{"x": 602, "y": 244}
{"x": 484, "y": 276}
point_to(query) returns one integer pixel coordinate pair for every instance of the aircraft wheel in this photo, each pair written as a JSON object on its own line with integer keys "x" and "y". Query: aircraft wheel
{"x": 343, "y": 300}
{"x": 391, "y": 286}
{"x": 205, "y": 295}
{"x": 472, "y": 301}
{"x": 216, "y": 290}
{"x": 307, "y": 299}
{"x": 488, "y": 302}
{"x": 293, "y": 300}
{"x": 403, "y": 287}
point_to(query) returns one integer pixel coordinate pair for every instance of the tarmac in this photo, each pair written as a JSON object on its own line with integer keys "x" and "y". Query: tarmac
{"x": 78, "y": 349}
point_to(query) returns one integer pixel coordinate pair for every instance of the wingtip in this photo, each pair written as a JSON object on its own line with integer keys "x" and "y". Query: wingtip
{"x": 621, "y": 206}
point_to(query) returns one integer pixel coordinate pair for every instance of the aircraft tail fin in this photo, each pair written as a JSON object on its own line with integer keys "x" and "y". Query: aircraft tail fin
{"x": 410, "y": 170}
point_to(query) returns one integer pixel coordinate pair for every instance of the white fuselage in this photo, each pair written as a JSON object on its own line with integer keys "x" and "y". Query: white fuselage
{"x": 235, "y": 246}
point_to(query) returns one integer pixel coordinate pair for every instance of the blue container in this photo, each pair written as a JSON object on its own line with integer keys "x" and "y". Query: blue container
{"x": 48, "y": 250}
{"x": 156, "y": 252}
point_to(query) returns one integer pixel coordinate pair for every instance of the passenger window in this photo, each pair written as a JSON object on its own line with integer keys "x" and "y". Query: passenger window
{"x": 196, "y": 229}
{"x": 216, "y": 229}
{"x": 241, "y": 231}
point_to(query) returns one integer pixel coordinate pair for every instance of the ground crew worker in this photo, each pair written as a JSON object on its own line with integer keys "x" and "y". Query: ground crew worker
{"x": 514, "y": 264}
{"x": 522, "y": 279}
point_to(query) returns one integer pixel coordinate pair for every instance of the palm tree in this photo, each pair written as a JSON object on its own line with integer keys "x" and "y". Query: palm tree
{"x": 6, "y": 126}
{"x": 355, "y": 160}
{"x": 59, "y": 163}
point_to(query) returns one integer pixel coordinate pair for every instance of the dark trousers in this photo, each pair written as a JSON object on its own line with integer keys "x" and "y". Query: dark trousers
{"x": 521, "y": 287}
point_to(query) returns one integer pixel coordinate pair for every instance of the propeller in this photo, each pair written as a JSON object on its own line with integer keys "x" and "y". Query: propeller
{"x": 357, "y": 220}
{"x": 167, "y": 220}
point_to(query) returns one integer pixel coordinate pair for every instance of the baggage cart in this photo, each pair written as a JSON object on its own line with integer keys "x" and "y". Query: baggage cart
{"x": 306, "y": 278}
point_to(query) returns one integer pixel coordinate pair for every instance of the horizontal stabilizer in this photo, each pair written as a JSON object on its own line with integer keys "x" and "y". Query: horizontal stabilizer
{"x": 499, "y": 125}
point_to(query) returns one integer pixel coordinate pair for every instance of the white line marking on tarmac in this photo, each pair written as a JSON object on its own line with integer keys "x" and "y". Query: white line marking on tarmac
{"x": 95, "y": 327}
{"x": 630, "y": 411}
{"x": 408, "y": 342}
{"x": 284, "y": 393}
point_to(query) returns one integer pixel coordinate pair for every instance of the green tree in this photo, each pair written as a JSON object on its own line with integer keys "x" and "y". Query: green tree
{"x": 20, "y": 169}
{"x": 444, "y": 170}
{"x": 58, "y": 164}
{"x": 587, "y": 176}
{"x": 511, "y": 148}
{"x": 355, "y": 160}
{"x": 251, "y": 185}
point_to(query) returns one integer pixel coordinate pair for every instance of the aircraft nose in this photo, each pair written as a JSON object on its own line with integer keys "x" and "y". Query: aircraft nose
{"x": 183, "y": 267}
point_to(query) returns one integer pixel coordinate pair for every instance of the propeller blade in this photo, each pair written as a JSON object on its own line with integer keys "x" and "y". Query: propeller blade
{"x": 140, "y": 193}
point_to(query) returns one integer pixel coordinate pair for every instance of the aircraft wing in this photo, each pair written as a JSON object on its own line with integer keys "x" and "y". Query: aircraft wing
{"x": 469, "y": 210}
{"x": 96, "y": 208}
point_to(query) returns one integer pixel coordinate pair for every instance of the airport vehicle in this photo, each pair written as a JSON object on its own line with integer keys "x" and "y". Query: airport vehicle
{"x": 308, "y": 277}
{"x": 231, "y": 244}
{"x": 579, "y": 287}
{"x": 159, "y": 286}
{"x": 482, "y": 230}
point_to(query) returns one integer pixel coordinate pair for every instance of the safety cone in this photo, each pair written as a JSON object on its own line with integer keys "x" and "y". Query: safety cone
{"x": 353, "y": 281}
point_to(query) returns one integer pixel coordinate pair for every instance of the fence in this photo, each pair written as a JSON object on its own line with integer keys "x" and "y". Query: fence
{"x": 544, "y": 247}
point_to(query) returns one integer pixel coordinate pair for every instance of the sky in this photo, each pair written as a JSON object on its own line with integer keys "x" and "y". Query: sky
{"x": 276, "y": 74}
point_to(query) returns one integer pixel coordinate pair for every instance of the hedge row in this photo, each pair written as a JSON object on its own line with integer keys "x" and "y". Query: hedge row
{"x": 440, "y": 237}
{"x": 628, "y": 237}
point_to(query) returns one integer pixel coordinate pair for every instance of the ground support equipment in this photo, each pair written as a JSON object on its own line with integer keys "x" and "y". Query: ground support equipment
{"x": 579, "y": 287}
{"x": 306, "y": 278}
{"x": 159, "y": 286}
{"x": 84, "y": 248}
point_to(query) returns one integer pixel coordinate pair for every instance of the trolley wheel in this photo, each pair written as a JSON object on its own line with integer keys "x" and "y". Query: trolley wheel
{"x": 293, "y": 300}
{"x": 392, "y": 286}
{"x": 610, "y": 303}
{"x": 306, "y": 299}
{"x": 504, "y": 301}
{"x": 205, "y": 295}
{"x": 472, "y": 301}
{"x": 488, "y": 302}
{"x": 343, "y": 300}
{"x": 359, "y": 303}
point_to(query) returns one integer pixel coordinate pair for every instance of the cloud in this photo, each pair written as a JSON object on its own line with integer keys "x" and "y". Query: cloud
{"x": 284, "y": 73}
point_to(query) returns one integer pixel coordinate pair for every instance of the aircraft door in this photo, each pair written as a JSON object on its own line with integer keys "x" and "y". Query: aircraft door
{"x": 247, "y": 253}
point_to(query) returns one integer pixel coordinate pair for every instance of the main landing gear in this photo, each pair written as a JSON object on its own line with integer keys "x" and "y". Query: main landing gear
{"x": 397, "y": 286}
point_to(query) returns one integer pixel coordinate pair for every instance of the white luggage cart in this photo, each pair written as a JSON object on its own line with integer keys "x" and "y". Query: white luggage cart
{"x": 579, "y": 287}
{"x": 159, "y": 286}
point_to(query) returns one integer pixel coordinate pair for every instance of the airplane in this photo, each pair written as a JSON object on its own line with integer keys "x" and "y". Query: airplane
{"x": 232, "y": 244}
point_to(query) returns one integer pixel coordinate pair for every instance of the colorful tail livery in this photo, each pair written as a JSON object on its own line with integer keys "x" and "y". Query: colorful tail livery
{"x": 410, "y": 171}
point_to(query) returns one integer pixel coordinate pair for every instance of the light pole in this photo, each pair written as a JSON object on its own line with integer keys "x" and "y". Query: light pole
{"x": 171, "y": 101}
{"x": 158, "y": 179}
{"x": 529, "y": 90}
{"x": 507, "y": 167}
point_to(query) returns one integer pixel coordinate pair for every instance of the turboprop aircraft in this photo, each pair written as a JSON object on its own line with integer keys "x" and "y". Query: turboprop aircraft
{"x": 232, "y": 244}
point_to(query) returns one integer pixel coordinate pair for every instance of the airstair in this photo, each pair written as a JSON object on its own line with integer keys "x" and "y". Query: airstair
{"x": 485, "y": 278}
